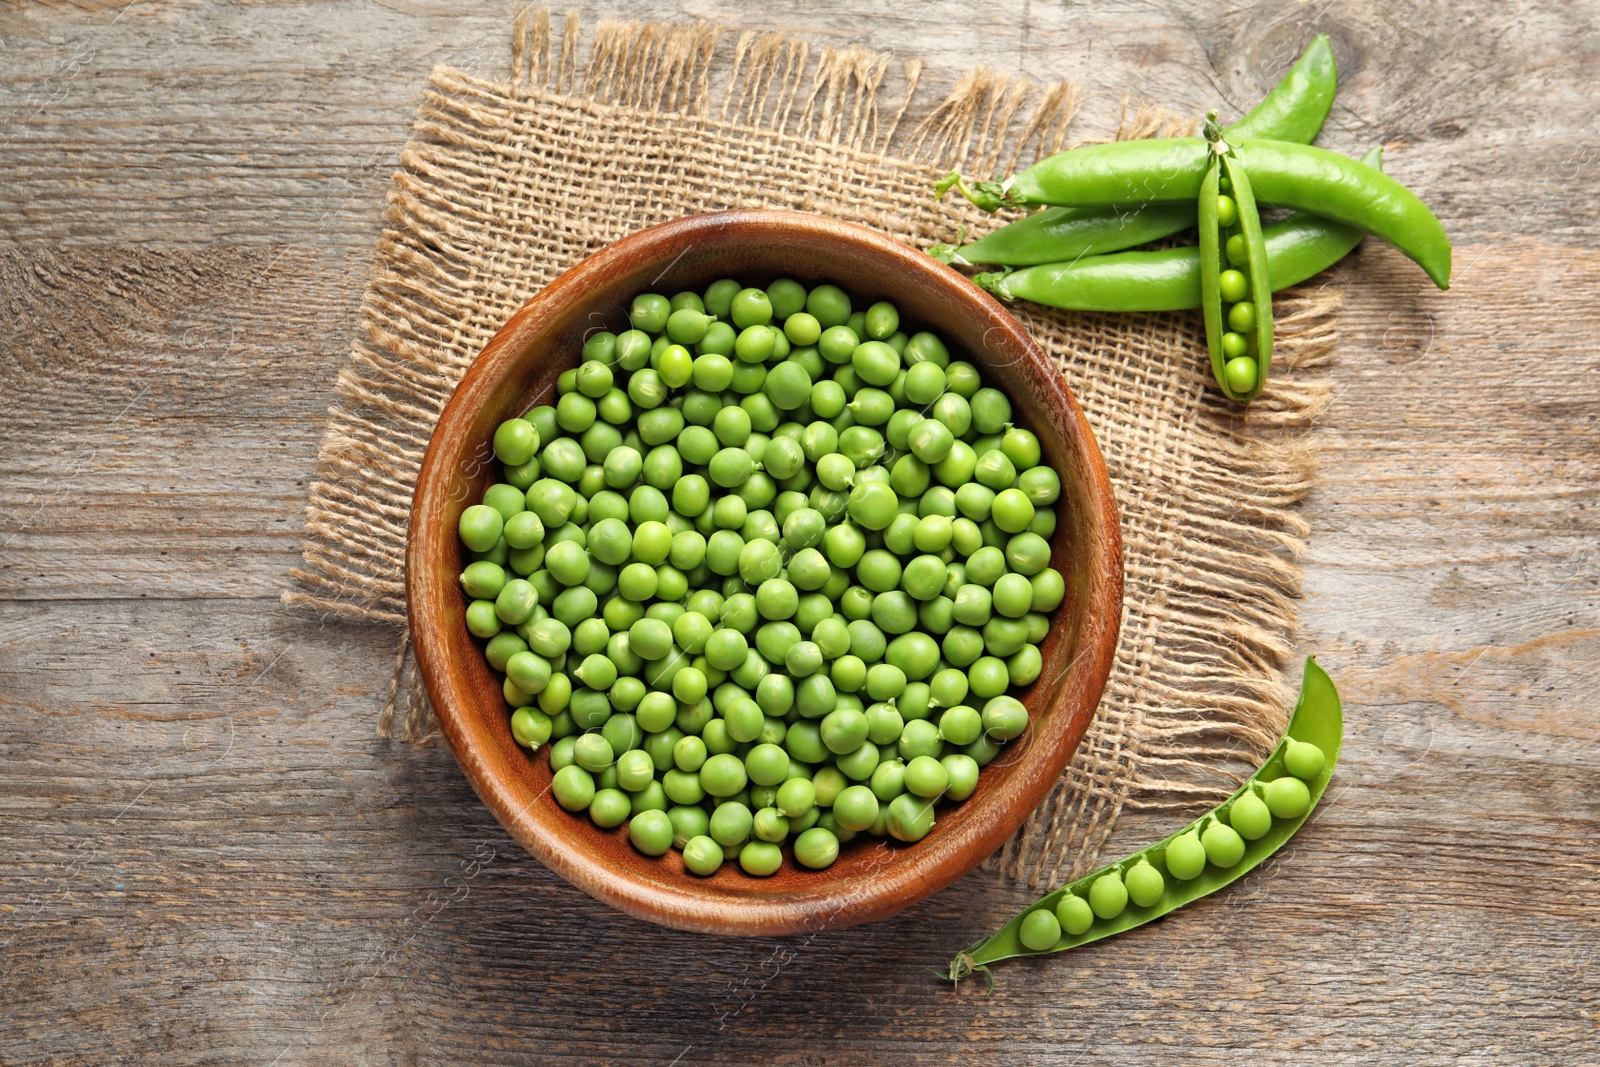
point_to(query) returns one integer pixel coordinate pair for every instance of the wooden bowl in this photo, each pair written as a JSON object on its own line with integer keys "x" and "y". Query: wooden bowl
{"x": 873, "y": 878}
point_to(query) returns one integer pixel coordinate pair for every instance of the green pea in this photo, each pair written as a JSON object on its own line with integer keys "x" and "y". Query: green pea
{"x": 1303, "y": 760}
{"x": 651, "y": 832}
{"x": 961, "y": 771}
{"x": 1227, "y": 211}
{"x": 910, "y": 817}
{"x": 1040, "y": 930}
{"x": 873, "y": 505}
{"x": 875, "y": 362}
{"x": 702, "y": 856}
{"x": 1004, "y": 717}
{"x": 760, "y": 858}
{"x": 1223, "y": 845}
{"x": 1241, "y": 373}
{"x": 1144, "y": 884}
{"x": 530, "y": 728}
{"x": 1233, "y": 285}
{"x": 480, "y": 527}
{"x": 1108, "y": 897}
{"x": 1288, "y": 797}
{"x": 1242, "y": 317}
{"x": 750, "y": 307}
{"x": 926, "y": 777}
{"x": 1250, "y": 816}
{"x": 573, "y": 788}
{"x": 731, "y": 824}
{"x": 1074, "y": 914}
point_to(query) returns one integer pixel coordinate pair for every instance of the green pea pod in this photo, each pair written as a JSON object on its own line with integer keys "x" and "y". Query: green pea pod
{"x": 1063, "y": 233}
{"x": 1317, "y": 721}
{"x": 1293, "y": 111}
{"x": 1242, "y": 372}
{"x": 1298, "y": 247}
{"x": 1298, "y": 105}
{"x": 1283, "y": 175}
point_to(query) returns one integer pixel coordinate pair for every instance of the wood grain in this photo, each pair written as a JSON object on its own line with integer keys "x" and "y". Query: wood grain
{"x": 210, "y": 859}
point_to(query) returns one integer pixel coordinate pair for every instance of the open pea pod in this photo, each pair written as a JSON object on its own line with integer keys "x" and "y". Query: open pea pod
{"x": 1235, "y": 285}
{"x": 1232, "y": 840}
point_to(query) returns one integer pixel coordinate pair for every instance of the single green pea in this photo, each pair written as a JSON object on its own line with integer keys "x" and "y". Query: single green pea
{"x": 796, "y": 796}
{"x": 1233, "y": 285}
{"x": 731, "y": 824}
{"x": 926, "y": 777}
{"x": 925, "y": 347}
{"x": 480, "y": 527}
{"x": 876, "y": 363}
{"x": 573, "y": 788}
{"x": 702, "y": 856}
{"x": 1074, "y": 914}
{"x": 1040, "y": 930}
{"x": 873, "y": 505}
{"x": 1108, "y": 897}
{"x": 1304, "y": 760}
{"x": 1241, "y": 373}
{"x": 1250, "y": 816}
{"x": 760, "y": 858}
{"x": 1012, "y": 511}
{"x": 771, "y": 825}
{"x": 962, "y": 773}
{"x": 649, "y": 312}
{"x": 651, "y": 832}
{"x": 1144, "y": 884}
{"x": 530, "y": 728}
{"x": 1288, "y": 797}
{"x": 1227, "y": 211}
{"x": 635, "y": 770}
{"x": 609, "y": 808}
{"x": 910, "y": 817}
{"x": 1004, "y": 717}
{"x": 515, "y": 442}
{"x": 1242, "y": 317}
{"x": 1223, "y": 845}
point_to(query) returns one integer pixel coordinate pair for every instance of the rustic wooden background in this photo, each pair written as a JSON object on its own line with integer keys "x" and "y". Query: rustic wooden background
{"x": 206, "y": 857}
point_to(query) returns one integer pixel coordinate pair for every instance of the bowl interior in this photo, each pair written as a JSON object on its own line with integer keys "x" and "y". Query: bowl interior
{"x": 873, "y": 877}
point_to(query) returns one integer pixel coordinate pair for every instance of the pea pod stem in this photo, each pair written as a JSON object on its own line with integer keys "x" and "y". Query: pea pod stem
{"x": 1318, "y": 719}
{"x": 1285, "y": 175}
{"x": 1294, "y": 110}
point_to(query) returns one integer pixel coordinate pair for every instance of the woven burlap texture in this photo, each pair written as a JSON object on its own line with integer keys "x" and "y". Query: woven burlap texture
{"x": 506, "y": 184}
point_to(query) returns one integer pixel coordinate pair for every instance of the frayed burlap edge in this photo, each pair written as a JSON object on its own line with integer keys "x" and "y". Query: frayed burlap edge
{"x": 1196, "y": 690}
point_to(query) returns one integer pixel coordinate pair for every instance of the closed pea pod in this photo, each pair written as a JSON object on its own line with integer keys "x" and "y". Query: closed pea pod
{"x": 1297, "y": 247}
{"x": 1178, "y": 870}
{"x": 1294, "y": 110}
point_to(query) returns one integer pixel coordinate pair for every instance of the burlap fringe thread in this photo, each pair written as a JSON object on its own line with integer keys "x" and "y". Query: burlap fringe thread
{"x": 475, "y": 226}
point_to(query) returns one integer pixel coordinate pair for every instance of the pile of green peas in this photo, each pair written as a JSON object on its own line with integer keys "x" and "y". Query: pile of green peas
{"x": 1217, "y": 839}
{"x": 766, "y": 572}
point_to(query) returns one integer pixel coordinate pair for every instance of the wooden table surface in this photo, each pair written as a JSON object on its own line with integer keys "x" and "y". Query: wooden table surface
{"x": 206, "y": 856}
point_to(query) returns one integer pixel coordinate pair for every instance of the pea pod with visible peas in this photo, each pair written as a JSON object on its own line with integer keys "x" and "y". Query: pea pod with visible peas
{"x": 1293, "y": 111}
{"x": 1203, "y": 857}
{"x": 1297, "y": 247}
{"x": 1283, "y": 175}
{"x": 1237, "y": 302}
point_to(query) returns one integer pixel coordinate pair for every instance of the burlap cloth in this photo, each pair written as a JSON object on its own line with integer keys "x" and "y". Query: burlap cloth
{"x": 505, "y": 184}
